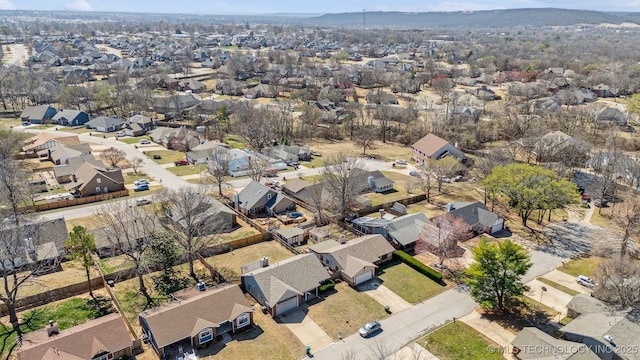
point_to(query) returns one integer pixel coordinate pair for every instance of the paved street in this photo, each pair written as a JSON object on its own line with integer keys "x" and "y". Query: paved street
{"x": 404, "y": 327}
{"x": 17, "y": 56}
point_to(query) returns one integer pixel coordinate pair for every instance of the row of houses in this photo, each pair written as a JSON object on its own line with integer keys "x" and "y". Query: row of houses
{"x": 135, "y": 125}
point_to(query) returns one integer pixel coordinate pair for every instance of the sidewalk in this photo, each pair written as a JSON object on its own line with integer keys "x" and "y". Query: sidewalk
{"x": 380, "y": 293}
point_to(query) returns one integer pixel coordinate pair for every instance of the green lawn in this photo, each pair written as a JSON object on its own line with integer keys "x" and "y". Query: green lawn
{"x": 554, "y": 284}
{"x": 460, "y": 341}
{"x": 344, "y": 311}
{"x": 41, "y": 127}
{"x": 134, "y": 140}
{"x": 66, "y": 314}
{"x": 130, "y": 178}
{"x": 581, "y": 266}
{"x": 235, "y": 142}
{"x": 187, "y": 169}
{"x": 8, "y": 123}
{"x": 409, "y": 284}
{"x": 167, "y": 156}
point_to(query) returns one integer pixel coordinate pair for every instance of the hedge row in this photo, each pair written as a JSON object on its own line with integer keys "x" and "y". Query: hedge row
{"x": 329, "y": 285}
{"x": 418, "y": 266}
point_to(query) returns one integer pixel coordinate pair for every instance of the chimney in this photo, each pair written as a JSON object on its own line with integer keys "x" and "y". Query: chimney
{"x": 73, "y": 177}
{"x": 381, "y": 211}
{"x": 371, "y": 182}
{"x": 342, "y": 239}
{"x": 264, "y": 262}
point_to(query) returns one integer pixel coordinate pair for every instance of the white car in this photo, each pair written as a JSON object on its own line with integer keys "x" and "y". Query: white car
{"x": 120, "y": 134}
{"x": 585, "y": 281}
{"x": 141, "y": 181}
{"x": 144, "y": 142}
{"x": 401, "y": 162}
{"x": 140, "y": 202}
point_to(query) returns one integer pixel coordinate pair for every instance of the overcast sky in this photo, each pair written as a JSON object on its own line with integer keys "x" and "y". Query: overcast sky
{"x": 308, "y": 6}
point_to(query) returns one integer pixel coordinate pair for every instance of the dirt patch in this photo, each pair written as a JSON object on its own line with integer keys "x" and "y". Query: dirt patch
{"x": 385, "y": 151}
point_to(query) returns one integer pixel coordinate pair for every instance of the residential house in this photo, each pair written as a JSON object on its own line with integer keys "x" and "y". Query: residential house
{"x": 476, "y": 215}
{"x": 202, "y": 153}
{"x": 67, "y": 117}
{"x": 65, "y": 170}
{"x": 193, "y": 85}
{"x": 138, "y": 125}
{"x": 39, "y": 114}
{"x": 217, "y": 217}
{"x": 609, "y": 116}
{"x": 105, "y": 124}
{"x": 608, "y": 330}
{"x": 38, "y": 243}
{"x": 403, "y": 231}
{"x": 623, "y": 166}
{"x": 290, "y": 153}
{"x": 106, "y": 337}
{"x": 432, "y": 147}
{"x": 131, "y": 234}
{"x": 286, "y": 284}
{"x": 378, "y": 97}
{"x": 89, "y": 180}
{"x": 44, "y": 141}
{"x": 354, "y": 261}
{"x": 238, "y": 160}
{"x": 558, "y": 146}
{"x": 197, "y": 317}
{"x": 59, "y": 154}
{"x": 261, "y": 90}
{"x": 175, "y": 104}
{"x": 180, "y": 139}
{"x": 377, "y": 182}
{"x": 533, "y": 343}
{"x": 291, "y": 235}
{"x": 257, "y": 198}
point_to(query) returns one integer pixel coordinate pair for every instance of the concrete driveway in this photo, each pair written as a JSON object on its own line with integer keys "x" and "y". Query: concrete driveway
{"x": 550, "y": 296}
{"x": 488, "y": 328}
{"x": 567, "y": 280}
{"x": 383, "y": 295}
{"x": 305, "y": 329}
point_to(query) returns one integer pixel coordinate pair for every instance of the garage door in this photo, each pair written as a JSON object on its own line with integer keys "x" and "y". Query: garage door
{"x": 286, "y": 305}
{"x": 364, "y": 277}
{"x": 497, "y": 226}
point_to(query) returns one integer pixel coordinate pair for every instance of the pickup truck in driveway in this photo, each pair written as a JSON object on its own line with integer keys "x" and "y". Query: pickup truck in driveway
{"x": 182, "y": 162}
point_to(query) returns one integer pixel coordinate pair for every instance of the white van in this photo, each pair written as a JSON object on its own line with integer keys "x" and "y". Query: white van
{"x": 585, "y": 281}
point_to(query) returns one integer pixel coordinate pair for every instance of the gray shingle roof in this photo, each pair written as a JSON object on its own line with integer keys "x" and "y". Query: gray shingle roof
{"x": 406, "y": 229}
{"x": 299, "y": 273}
{"x": 536, "y": 344}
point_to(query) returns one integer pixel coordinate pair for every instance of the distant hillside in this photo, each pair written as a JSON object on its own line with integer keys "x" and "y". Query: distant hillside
{"x": 488, "y": 18}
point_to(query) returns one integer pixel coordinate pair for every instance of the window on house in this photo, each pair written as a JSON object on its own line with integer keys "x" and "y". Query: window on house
{"x": 269, "y": 196}
{"x": 98, "y": 180}
{"x": 243, "y": 320}
{"x": 98, "y": 189}
{"x": 205, "y": 336}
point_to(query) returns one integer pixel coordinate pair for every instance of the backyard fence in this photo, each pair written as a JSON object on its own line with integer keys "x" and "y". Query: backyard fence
{"x": 77, "y": 201}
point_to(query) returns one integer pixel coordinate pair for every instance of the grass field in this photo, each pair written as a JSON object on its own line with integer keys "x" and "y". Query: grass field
{"x": 582, "y": 266}
{"x": 555, "y": 285}
{"x": 460, "y": 341}
{"x": 409, "y": 284}
{"x": 343, "y": 311}
{"x": 167, "y": 156}
{"x": 187, "y": 169}
{"x": 384, "y": 151}
{"x": 8, "y": 123}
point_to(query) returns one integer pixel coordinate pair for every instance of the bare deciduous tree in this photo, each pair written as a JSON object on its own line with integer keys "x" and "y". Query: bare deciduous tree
{"x": 442, "y": 237}
{"x": 127, "y": 227}
{"x": 258, "y": 164}
{"x": 218, "y": 167}
{"x": 136, "y": 163}
{"x": 618, "y": 280}
{"x": 196, "y": 221}
{"x": 113, "y": 156}
{"x": 344, "y": 180}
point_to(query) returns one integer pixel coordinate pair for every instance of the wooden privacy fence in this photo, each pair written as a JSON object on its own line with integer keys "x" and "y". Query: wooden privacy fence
{"x": 77, "y": 201}
{"x": 29, "y": 302}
